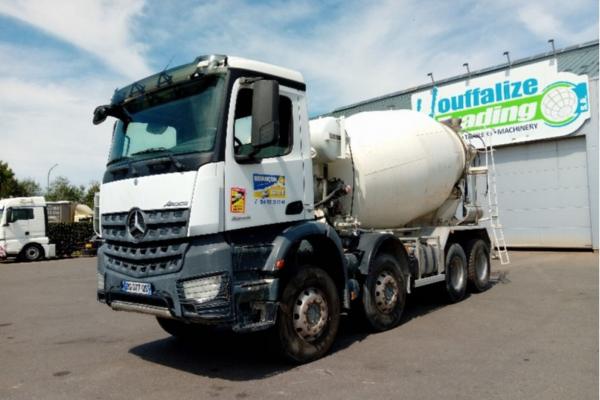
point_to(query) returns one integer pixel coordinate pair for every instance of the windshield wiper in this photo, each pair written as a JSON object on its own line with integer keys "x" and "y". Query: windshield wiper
{"x": 178, "y": 166}
{"x": 130, "y": 166}
{"x": 119, "y": 159}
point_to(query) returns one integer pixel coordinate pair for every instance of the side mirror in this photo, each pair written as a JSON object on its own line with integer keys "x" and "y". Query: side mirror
{"x": 265, "y": 113}
{"x": 100, "y": 114}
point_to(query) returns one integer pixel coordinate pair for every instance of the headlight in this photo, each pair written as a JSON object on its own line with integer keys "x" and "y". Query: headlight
{"x": 202, "y": 290}
{"x": 100, "y": 281}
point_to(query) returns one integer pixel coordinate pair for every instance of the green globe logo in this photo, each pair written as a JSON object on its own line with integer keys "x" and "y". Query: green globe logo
{"x": 559, "y": 104}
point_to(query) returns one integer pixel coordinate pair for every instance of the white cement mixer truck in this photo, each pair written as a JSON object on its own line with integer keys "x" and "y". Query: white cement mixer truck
{"x": 223, "y": 207}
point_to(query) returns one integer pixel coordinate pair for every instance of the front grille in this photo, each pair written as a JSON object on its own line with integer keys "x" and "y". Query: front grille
{"x": 160, "y": 225}
{"x": 145, "y": 261}
{"x": 144, "y": 256}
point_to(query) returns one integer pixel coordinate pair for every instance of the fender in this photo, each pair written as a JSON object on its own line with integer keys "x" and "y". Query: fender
{"x": 285, "y": 242}
{"x": 371, "y": 243}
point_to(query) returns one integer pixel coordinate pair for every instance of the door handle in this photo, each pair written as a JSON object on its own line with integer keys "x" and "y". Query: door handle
{"x": 26, "y": 233}
{"x": 293, "y": 208}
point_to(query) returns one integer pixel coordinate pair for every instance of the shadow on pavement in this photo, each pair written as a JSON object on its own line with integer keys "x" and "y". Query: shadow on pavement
{"x": 248, "y": 356}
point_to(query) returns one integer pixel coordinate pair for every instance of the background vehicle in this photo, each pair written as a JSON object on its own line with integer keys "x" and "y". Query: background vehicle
{"x": 218, "y": 208}
{"x": 23, "y": 226}
{"x": 32, "y": 229}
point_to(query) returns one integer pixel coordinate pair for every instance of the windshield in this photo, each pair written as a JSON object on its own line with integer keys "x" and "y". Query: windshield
{"x": 179, "y": 119}
{"x": 1, "y": 212}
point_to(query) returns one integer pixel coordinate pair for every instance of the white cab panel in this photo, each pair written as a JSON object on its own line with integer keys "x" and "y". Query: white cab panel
{"x": 148, "y": 192}
{"x": 207, "y": 213}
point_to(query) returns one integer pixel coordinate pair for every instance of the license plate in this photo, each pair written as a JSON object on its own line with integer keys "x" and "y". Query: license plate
{"x": 136, "y": 287}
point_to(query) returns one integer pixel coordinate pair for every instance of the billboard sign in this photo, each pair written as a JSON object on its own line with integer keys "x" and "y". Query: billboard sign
{"x": 521, "y": 104}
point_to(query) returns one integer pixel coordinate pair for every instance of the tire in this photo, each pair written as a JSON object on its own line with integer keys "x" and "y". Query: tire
{"x": 456, "y": 273}
{"x": 478, "y": 264}
{"x": 32, "y": 252}
{"x": 384, "y": 293}
{"x": 182, "y": 330}
{"x": 309, "y": 315}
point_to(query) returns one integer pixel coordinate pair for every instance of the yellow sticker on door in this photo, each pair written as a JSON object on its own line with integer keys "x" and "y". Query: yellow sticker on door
{"x": 238, "y": 200}
{"x": 269, "y": 189}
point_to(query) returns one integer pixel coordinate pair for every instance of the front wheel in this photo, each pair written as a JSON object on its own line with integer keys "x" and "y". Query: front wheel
{"x": 309, "y": 315}
{"x": 32, "y": 252}
{"x": 384, "y": 293}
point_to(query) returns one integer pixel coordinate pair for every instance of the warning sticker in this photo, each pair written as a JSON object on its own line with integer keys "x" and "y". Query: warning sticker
{"x": 269, "y": 189}
{"x": 238, "y": 200}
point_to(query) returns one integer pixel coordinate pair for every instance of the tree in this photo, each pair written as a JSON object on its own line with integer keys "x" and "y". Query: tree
{"x": 27, "y": 188}
{"x": 62, "y": 189}
{"x": 88, "y": 198}
{"x": 8, "y": 182}
{"x": 12, "y": 187}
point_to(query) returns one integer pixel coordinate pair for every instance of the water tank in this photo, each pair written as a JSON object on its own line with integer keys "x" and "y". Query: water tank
{"x": 404, "y": 166}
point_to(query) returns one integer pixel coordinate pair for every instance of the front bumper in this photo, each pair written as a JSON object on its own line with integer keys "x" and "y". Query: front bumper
{"x": 241, "y": 304}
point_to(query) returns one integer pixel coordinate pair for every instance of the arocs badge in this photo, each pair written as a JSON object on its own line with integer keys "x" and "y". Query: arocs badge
{"x": 238, "y": 200}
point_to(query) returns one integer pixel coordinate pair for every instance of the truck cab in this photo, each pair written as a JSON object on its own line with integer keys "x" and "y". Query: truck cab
{"x": 23, "y": 225}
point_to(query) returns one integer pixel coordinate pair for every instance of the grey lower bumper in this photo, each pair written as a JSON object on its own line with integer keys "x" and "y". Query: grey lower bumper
{"x": 241, "y": 304}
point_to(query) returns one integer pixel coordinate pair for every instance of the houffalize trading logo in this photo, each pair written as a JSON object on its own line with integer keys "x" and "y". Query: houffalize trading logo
{"x": 530, "y": 102}
{"x": 136, "y": 224}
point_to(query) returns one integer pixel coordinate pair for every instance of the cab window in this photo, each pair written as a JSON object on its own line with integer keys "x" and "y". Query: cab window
{"x": 242, "y": 128}
{"x": 19, "y": 214}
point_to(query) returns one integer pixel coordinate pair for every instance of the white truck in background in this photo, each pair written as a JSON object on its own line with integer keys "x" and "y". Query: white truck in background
{"x": 23, "y": 227}
{"x": 221, "y": 206}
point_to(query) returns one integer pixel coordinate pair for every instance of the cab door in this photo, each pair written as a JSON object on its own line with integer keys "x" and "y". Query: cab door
{"x": 17, "y": 233}
{"x": 263, "y": 186}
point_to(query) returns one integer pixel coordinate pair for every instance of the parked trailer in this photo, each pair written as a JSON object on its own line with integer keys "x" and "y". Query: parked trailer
{"x": 219, "y": 208}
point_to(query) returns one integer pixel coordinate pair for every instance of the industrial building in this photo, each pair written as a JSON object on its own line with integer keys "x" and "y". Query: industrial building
{"x": 541, "y": 115}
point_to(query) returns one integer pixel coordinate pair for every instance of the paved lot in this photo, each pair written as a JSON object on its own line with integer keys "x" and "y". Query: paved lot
{"x": 534, "y": 335}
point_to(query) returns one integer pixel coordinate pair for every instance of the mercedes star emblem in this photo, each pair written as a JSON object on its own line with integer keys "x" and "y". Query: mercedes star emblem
{"x": 136, "y": 223}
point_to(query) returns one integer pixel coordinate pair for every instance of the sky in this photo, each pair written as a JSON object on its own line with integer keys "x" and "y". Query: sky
{"x": 60, "y": 59}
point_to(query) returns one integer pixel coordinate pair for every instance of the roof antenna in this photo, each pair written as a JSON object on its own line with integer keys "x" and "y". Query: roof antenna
{"x": 553, "y": 59}
{"x": 163, "y": 77}
{"x": 169, "y": 63}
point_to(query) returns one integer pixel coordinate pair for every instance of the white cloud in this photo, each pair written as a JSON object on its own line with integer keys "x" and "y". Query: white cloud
{"x": 45, "y": 121}
{"x": 356, "y": 50}
{"x": 102, "y": 28}
{"x": 549, "y": 20}
{"x": 43, "y": 124}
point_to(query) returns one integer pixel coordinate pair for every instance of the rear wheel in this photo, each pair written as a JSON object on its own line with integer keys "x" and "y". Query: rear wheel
{"x": 479, "y": 265}
{"x": 32, "y": 252}
{"x": 456, "y": 273}
{"x": 384, "y": 293}
{"x": 309, "y": 315}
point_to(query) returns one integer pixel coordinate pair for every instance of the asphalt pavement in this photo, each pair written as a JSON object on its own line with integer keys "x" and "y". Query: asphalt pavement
{"x": 533, "y": 335}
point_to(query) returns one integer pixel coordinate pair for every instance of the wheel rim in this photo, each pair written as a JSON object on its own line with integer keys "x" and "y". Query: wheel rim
{"x": 457, "y": 274}
{"x": 310, "y": 313}
{"x": 32, "y": 253}
{"x": 482, "y": 266}
{"x": 386, "y": 292}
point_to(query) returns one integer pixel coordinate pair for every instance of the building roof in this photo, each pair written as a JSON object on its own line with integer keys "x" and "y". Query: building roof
{"x": 580, "y": 59}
